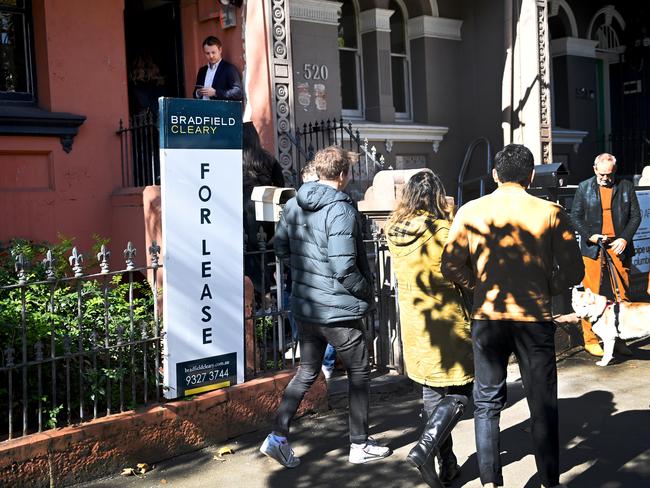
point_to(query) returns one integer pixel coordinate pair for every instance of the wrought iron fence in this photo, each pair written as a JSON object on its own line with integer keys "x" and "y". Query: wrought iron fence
{"x": 79, "y": 341}
{"x": 139, "y": 150}
{"x": 76, "y": 346}
{"x": 275, "y": 344}
{"x": 320, "y": 134}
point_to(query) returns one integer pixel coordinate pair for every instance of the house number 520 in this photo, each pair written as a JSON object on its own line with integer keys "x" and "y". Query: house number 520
{"x": 315, "y": 71}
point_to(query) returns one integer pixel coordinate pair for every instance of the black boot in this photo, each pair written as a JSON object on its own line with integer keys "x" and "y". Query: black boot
{"x": 449, "y": 469}
{"x": 438, "y": 427}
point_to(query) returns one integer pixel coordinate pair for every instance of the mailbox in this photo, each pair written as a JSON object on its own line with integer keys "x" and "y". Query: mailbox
{"x": 269, "y": 201}
{"x": 552, "y": 175}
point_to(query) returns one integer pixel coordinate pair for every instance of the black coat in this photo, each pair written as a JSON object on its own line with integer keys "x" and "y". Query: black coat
{"x": 320, "y": 232}
{"x": 227, "y": 82}
{"x": 587, "y": 214}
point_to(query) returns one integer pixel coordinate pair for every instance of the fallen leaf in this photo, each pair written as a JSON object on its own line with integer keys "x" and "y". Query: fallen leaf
{"x": 128, "y": 472}
{"x": 225, "y": 450}
{"x": 217, "y": 457}
{"x": 143, "y": 468}
{"x": 163, "y": 481}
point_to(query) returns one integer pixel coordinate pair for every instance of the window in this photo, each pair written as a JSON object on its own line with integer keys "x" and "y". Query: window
{"x": 16, "y": 71}
{"x": 399, "y": 63}
{"x": 350, "y": 62}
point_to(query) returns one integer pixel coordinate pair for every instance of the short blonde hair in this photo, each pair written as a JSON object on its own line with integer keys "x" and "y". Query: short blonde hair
{"x": 330, "y": 162}
{"x": 605, "y": 157}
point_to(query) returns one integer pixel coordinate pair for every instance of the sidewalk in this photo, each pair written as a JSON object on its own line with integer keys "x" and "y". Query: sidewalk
{"x": 604, "y": 438}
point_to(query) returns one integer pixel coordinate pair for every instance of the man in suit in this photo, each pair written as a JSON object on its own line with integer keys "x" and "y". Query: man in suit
{"x": 217, "y": 80}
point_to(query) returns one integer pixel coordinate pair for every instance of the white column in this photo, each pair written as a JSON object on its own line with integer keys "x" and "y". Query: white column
{"x": 527, "y": 99}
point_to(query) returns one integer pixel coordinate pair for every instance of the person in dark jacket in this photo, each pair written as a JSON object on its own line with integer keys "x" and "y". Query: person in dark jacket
{"x": 605, "y": 209}
{"x": 259, "y": 168}
{"x": 217, "y": 80}
{"x": 320, "y": 232}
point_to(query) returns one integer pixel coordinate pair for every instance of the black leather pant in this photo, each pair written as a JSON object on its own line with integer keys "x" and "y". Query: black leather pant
{"x": 534, "y": 347}
{"x": 349, "y": 342}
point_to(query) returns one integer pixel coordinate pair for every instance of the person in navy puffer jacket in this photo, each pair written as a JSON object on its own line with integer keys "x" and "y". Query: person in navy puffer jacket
{"x": 320, "y": 233}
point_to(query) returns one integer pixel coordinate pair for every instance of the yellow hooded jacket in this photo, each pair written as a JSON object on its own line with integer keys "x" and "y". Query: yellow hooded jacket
{"x": 434, "y": 323}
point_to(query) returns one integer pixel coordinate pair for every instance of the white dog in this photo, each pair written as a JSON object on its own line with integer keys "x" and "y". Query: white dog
{"x": 610, "y": 320}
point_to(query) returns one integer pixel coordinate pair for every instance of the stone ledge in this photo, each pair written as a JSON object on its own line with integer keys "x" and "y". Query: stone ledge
{"x": 104, "y": 446}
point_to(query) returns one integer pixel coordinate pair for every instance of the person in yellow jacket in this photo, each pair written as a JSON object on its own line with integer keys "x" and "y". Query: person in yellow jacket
{"x": 433, "y": 319}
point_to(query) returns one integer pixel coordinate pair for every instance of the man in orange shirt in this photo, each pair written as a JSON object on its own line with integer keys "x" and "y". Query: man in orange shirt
{"x": 514, "y": 251}
{"x": 605, "y": 209}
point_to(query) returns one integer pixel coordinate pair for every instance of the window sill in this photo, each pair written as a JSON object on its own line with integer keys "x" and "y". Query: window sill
{"x": 27, "y": 120}
{"x": 403, "y": 133}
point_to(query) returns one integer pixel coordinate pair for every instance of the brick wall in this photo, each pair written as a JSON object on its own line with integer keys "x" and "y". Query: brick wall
{"x": 70, "y": 455}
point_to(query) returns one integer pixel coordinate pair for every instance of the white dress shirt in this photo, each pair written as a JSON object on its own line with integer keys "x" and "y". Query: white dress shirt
{"x": 209, "y": 77}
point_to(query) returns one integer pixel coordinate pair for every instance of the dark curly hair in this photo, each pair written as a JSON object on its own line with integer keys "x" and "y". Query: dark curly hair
{"x": 514, "y": 164}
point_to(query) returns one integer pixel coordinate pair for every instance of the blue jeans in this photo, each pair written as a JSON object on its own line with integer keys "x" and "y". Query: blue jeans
{"x": 330, "y": 357}
{"x": 286, "y": 305}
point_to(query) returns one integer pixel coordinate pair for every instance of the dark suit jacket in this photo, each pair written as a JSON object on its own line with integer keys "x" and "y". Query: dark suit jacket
{"x": 227, "y": 82}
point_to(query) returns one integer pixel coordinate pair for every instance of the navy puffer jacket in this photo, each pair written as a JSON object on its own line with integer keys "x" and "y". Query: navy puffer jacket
{"x": 320, "y": 232}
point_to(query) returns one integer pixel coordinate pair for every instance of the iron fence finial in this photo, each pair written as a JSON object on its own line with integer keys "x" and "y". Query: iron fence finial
{"x": 49, "y": 262}
{"x": 261, "y": 238}
{"x": 21, "y": 264}
{"x": 103, "y": 256}
{"x": 154, "y": 252}
{"x": 129, "y": 255}
{"x": 76, "y": 260}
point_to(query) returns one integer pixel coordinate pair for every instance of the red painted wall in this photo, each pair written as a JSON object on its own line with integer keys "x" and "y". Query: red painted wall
{"x": 81, "y": 68}
{"x": 80, "y": 65}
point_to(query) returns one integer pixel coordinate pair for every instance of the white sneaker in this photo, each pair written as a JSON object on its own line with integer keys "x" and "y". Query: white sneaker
{"x": 327, "y": 372}
{"x": 280, "y": 451}
{"x": 291, "y": 353}
{"x": 370, "y": 451}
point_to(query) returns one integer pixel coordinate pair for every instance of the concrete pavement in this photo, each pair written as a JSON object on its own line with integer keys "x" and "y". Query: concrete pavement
{"x": 604, "y": 438}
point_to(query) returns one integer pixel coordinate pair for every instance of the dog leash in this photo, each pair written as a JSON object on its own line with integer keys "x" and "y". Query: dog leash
{"x": 613, "y": 282}
{"x": 611, "y": 270}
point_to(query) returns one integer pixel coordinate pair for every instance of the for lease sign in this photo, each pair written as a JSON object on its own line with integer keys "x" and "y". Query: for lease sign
{"x": 641, "y": 260}
{"x": 201, "y": 190}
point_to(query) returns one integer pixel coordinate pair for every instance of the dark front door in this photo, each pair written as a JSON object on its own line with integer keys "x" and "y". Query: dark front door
{"x": 155, "y": 69}
{"x": 153, "y": 52}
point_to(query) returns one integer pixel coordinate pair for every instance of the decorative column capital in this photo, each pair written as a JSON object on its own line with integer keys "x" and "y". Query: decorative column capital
{"x": 317, "y": 11}
{"x": 376, "y": 19}
{"x": 438, "y": 27}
